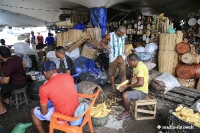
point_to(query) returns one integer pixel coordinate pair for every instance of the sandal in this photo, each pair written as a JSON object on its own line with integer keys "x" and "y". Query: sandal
{"x": 121, "y": 117}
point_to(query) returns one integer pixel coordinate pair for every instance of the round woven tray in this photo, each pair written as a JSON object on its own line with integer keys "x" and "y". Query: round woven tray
{"x": 182, "y": 48}
{"x": 186, "y": 71}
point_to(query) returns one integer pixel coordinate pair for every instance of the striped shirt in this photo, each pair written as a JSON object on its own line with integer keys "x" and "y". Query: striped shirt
{"x": 116, "y": 46}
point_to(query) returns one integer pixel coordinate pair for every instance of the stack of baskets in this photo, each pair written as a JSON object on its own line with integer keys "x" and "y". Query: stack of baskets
{"x": 188, "y": 69}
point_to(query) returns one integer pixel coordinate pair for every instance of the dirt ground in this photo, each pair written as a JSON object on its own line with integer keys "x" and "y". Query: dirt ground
{"x": 129, "y": 125}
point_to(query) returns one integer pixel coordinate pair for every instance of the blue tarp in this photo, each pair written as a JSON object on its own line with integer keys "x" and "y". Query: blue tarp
{"x": 99, "y": 16}
{"x": 87, "y": 65}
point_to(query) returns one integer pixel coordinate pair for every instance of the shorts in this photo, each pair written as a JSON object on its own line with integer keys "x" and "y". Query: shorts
{"x": 118, "y": 62}
{"x": 42, "y": 117}
{"x": 136, "y": 95}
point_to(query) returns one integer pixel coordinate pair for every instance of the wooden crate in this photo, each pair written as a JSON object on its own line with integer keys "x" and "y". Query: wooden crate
{"x": 138, "y": 107}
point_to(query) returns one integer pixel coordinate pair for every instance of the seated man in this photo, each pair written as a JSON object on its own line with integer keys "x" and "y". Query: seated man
{"x": 139, "y": 84}
{"x": 66, "y": 63}
{"x": 13, "y": 76}
{"x": 61, "y": 93}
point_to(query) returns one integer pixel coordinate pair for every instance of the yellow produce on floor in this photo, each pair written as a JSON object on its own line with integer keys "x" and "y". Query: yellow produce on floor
{"x": 100, "y": 111}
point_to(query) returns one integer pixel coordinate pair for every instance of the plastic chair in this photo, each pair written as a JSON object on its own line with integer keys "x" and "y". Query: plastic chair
{"x": 66, "y": 127}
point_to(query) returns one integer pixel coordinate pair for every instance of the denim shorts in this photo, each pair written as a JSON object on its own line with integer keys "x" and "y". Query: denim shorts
{"x": 136, "y": 95}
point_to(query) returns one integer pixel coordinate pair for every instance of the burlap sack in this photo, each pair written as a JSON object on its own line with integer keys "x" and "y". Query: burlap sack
{"x": 86, "y": 87}
{"x": 157, "y": 86}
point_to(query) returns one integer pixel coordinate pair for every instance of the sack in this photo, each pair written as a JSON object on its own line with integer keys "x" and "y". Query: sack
{"x": 150, "y": 65}
{"x": 86, "y": 87}
{"x": 27, "y": 60}
{"x": 157, "y": 86}
{"x": 163, "y": 83}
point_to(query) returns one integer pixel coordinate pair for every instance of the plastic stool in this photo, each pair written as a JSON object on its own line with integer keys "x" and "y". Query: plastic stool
{"x": 18, "y": 99}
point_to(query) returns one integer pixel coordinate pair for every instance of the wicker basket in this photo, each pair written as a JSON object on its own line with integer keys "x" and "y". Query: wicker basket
{"x": 99, "y": 122}
{"x": 88, "y": 52}
{"x": 95, "y": 44}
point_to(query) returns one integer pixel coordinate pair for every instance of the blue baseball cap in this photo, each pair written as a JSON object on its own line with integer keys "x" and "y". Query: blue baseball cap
{"x": 48, "y": 66}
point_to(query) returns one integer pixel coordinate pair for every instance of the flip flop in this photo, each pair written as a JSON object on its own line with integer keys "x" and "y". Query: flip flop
{"x": 121, "y": 117}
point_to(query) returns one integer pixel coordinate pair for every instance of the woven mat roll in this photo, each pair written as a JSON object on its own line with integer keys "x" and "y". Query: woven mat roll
{"x": 186, "y": 72}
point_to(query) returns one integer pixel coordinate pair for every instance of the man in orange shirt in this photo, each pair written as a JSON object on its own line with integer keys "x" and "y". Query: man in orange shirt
{"x": 40, "y": 40}
{"x": 62, "y": 94}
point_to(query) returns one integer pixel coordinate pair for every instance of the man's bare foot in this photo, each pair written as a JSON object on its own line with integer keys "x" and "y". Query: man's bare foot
{"x": 3, "y": 111}
{"x": 6, "y": 100}
{"x": 113, "y": 92}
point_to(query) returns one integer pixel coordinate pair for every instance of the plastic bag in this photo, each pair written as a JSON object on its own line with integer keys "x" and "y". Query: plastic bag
{"x": 79, "y": 26}
{"x": 169, "y": 80}
{"x": 151, "y": 47}
{"x": 27, "y": 60}
{"x": 21, "y": 127}
{"x": 171, "y": 31}
{"x": 140, "y": 49}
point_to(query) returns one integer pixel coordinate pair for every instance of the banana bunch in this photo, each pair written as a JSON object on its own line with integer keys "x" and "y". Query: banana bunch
{"x": 123, "y": 83}
{"x": 100, "y": 111}
{"x": 187, "y": 115}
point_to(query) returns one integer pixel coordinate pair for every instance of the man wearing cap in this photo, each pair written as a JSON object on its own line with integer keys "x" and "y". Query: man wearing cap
{"x": 62, "y": 94}
{"x": 13, "y": 76}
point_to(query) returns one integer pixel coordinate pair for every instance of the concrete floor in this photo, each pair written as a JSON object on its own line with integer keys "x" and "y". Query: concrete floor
{"x": 13, "y": 117}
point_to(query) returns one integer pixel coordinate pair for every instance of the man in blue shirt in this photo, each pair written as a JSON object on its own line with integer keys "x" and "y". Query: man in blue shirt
{"x": 49, "y": 42}
{"x": 33, "y": 42}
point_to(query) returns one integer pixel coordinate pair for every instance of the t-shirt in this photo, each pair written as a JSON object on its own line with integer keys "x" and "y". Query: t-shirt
{"x": 13, "y": 68}
{"x": 40, "y": 38}
{"x": 62, "y": 94}
{"x": 67, "y": 64}
{"x": 116, "y": 46}
{"x": 33, "y": 40}
{"x": 49, "y": 40}
{"x": 141, "y": 70}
